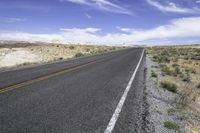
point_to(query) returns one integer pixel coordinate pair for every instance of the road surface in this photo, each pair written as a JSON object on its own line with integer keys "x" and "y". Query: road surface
{"x": 75, "y": 96}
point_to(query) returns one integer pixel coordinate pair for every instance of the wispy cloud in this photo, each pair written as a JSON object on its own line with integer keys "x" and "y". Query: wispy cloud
{"x": 12, "y": 20}
{"x": 176, "y": 29}
{"x": 88, "y": 16}
{"x": 104, "y": 5}
{"x": 172, "y": 7}
{"x": 78, "y": 30}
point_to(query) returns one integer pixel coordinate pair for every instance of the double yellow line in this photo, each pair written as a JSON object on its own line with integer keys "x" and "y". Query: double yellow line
{"x": 29, "y": 82}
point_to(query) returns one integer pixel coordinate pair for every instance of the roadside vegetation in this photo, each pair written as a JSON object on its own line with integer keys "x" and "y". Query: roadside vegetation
{"x": 171, "y": 125}
{"x": 42, "y": 52}
{"x": 79, "y": 54}
{"x": 154, "y": 74}
{"x": 180, "y": 72}
{"x": 169, "y": 86}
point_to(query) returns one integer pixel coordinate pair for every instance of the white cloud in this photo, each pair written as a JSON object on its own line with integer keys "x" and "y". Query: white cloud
{"x": 79, "y": 31}
{"x": 88, "y": 16}
{"x": 104, "y": 5}
{"x": 176, "y": 29}
{"x": 198, "y": 1}
{"x": 12, "y": 20}
{"x": 172, "y": 7}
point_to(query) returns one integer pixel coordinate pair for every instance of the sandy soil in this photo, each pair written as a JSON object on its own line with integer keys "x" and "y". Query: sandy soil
{"x": 20, "y": 55}
{"x": 14, "y": 57}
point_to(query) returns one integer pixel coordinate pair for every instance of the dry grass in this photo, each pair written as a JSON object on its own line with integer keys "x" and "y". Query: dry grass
{"x": 53, "y": 52}
{"x": 181, "y": 65}
{"x": 169, "y": 86}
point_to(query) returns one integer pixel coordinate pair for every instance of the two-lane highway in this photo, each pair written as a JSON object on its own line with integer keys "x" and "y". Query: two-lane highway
{"x": 75, "y": 96}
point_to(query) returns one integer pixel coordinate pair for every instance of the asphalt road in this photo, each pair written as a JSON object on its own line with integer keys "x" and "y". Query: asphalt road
{"x": 74, "y": 96}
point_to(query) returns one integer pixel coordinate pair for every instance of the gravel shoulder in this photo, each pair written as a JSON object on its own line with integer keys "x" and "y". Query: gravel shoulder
{"x": 160, "y": 102}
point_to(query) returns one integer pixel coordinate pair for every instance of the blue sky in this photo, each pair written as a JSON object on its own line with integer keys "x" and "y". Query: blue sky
{"x": 101, "y": 21}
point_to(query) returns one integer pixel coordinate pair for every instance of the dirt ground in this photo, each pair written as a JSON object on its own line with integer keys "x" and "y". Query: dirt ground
{"x": 13, "y": 55}
{"x": 180, "y": 65}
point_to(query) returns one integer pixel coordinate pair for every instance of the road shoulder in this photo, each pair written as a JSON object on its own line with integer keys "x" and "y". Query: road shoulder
{"x": 161, "y": 102}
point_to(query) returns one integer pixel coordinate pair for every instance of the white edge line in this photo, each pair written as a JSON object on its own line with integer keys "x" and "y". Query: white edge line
{"x": 115, "y": 116}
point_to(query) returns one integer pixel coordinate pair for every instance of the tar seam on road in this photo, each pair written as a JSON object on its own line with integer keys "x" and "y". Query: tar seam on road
{"x": 115, "y": 116}
{"x": 25, "y": 83}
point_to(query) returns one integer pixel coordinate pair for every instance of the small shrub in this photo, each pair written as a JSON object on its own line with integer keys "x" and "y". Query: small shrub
{"x": 177, "y": 70}
{"x": 171, "y": 125}
{"x": 198, "y": 85}
{"x": 79, "y": 54}
{"x": 169, "y": 86}
{"x": 100, "y": 51}
{"x": 105, "y": 50}
{"x": 186, "y": 58}
{"x": 153, "y": 74}
{"x": 186, "y": 77}
{"x": 112, "y": 48}
{"x": 155, "y": 57}
{"x": 171, "y": 111}
{"x": 167, "y": 70}
{"x": 164, "y": 59}
{"x": 185, "y": 97}
{"x": 24, "y": 64}
{"x": 175, "y": 59}
{"x": 175, "y": 65}
{"x": 71, "y": 47}
{"x": 92, "y": 52}
{"x": 61, "y": 58}
{"x": 154, "y": 66}
{"x": 193, "y": 71}
{"x": 87, "y": 50}
{"x": 190, "y": 69}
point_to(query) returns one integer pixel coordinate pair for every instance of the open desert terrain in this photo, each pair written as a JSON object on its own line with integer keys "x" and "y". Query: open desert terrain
{"x": 14, "y": 54}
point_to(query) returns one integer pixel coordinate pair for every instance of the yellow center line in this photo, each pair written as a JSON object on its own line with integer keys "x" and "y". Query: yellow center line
{"x": 29, "y": 82}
